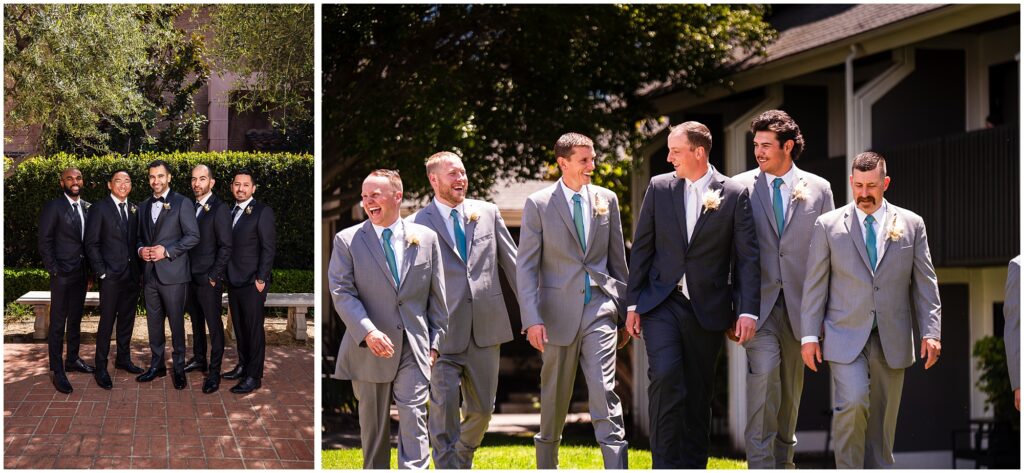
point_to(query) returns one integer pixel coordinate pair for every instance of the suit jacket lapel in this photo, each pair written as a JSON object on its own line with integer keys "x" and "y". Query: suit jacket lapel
{"x": 853, "y": 228}
{"x": 562, "y": 208}
{"x": 704, "y": 214}
{"x": 469, "y": 225}
{"x": 437, "y": 221}
{"x": 761, "y": 195}
{"x": 369, "y": 237}
{"x": 410, "y": 253}
{"x": 793, "y": 202}
{"x": 677, "y": 191}
{"x": 160, "y": 218}
{"x": 146, "y": 216}
{"x": 886, "y": 225}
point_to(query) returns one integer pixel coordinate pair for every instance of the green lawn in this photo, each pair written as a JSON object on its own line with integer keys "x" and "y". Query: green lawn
{"x": 501, "y": 452}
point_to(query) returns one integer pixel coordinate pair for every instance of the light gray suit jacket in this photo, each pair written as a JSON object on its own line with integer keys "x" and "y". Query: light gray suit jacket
{"x": 1011, "y": 330}
{"x": 476, "y": 305}
{"x": 841, "y": 291}
{"x": 784, "y": 260}
{"x": 366, "y": 298}
{"x": 551, "y": 263}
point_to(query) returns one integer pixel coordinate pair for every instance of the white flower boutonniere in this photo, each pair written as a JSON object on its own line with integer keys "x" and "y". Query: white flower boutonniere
{"x": 600, "y": 205}
{"x": 895, "y": 229}
{"x": 800, "y": 192}
{"x": 134, "y": 209}
{"x": 248, "y": 210}
{"x": 206, "y": 207}
{"x": 712, "y": 199}
{"x": 167, "y": 206}
{"x": 412, "y": 239}
{"x": 474, "y": 216}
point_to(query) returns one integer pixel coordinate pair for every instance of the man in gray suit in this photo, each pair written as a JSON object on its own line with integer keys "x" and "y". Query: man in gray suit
{"x": 868, "y": 270}
{"x": 787, "y": 200}
{"x": 387, "y": 282}
{"x": 476, "y": 243}
{"x": 571, "y": 273}
{"x": 1011, "y": 329}
{"x": 167, "y": 231}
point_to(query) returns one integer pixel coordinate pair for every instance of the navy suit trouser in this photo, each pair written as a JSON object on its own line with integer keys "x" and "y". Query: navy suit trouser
{"x": 67, "y": 292}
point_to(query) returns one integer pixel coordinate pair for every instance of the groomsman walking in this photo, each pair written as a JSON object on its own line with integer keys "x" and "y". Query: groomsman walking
{"x": 786, "y": 202}
{"x": 476, "y": 244}
{"x": 61, "y": 246}
{"x": 868, "y": 271}
{"x": 110, "y": 237}
{"x": 253, "y": 246}
{"x": 209, "y": 264}
{"x": 387, "y": 281}
{"x": 571, "y": 273}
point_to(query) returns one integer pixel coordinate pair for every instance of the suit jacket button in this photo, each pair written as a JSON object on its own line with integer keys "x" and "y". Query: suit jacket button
{"x": 401, "y": 327}
{"x": 876, "y": 288}
{"x": 470, "y": 299}
{"x": 399, "y": 302}
{"x": 582, "y": 291}
{"x": 781, "y": 255}
{"x": 778, "y": 281}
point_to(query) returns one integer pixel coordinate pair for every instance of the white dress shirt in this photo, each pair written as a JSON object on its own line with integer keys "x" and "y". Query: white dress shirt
{"x": 81, "y": 212}
{"x": 241, "y": 210}
{"x": 397, "y": 242}
{"x": 156, "y": 206}
{"x": 203, "y": 201}
{"x": 789, "y": 181}
{"x": 584, "y": 205}
{"x": 446, "y": 215}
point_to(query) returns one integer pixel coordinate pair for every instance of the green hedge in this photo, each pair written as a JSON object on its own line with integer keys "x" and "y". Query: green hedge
{"x": 284, "y": 180}
{"x": 19, "y": 281}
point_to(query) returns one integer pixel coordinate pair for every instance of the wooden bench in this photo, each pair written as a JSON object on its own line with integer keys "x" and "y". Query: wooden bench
{"x": 298, "y": 305}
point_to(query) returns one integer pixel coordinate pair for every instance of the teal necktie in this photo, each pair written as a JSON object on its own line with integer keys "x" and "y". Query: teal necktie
{"x": 780, "y": 216}
{"x": 460, "y": 236}
{"x": 869, "y": 229}
{"x": 577, "y": 218}
{"x": 389, "y": 252}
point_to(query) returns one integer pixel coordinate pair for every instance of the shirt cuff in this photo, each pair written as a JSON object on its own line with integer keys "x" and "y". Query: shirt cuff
{"x": 809, "y": 339}
{"x": 749, "y": 316}
{"x": 631, "y": 308}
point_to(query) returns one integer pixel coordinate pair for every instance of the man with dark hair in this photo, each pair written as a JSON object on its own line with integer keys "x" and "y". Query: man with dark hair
{"x": 61, "y": 246}
{"x": 167, "y": 231}
{"x": 110, "y": 237}
{"x": 868, "y": 265}
{"x": 571, "y": 274}
{"x": 694, "y": 275}
{"x": 786, "y": 202}
{"x": 209, "y": 262}
{"x": 253, "y": 245}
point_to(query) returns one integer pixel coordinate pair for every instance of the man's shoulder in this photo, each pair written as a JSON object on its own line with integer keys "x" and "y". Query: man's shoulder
{"x": 747, "y": 178}
{"x": 663, "y": 180}
{"x": 906, "y": 214}
{"x": 814, "y": 180}
{"x": 835, "y": 216}
{"x": 603, "y": 191}
{"x": 349, "y": 233}
{"x": 421, "y": 231}
{"x": 542, "y": 195}
{"x": 481, "y": 206}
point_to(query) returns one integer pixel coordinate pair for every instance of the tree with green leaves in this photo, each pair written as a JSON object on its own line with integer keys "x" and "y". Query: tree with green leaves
{"x": 498, "y": 84}
{"x": 269, "y": 48}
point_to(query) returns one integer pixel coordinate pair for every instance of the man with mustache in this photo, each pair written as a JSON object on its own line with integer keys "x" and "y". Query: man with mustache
{"x": 209, "y": 262}
{"x": 110, "y": 237}
{"x": 61, "y": 246}
{"x": 167, "y": 230}
{"x": 476, "y": 244}
{"x": 387, "y": 282}
{"x": 253, "y": 246}
{"x": 571, "y": 273}
{"x": 868, "y": 265}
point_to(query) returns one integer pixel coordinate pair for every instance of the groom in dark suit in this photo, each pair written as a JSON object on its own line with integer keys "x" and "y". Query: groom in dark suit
{"x": 694, "y": 274}
{"x": 167, "y": 230}
{"x": 61, "y": 237}
{"x": 110, "y": 238}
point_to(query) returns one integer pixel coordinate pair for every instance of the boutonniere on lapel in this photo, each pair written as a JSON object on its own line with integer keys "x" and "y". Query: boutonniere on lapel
{"x": 167, "y": 206}
{"x": 85, "y": 206}
{"x": 474, "y": 216}
{"x": 600, "y": 205}
{"x": 712, "y": 199}
{"x": 248, "y": 210}
{"x": 134, "y": 209}
{"x": 206, "y": 207}
{"x": 412, "y": 239}
{"x": 800, "y": 192}
{"x": 895, "y": 229}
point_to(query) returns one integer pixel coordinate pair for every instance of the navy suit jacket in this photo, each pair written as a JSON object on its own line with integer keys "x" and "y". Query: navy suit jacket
{"x": 721, "y": 261}
{"x": 60, "y": 241}
{"x": 254, "y": 243}
{"x": 210, "y": 257}
{"x": 105, "y": 244}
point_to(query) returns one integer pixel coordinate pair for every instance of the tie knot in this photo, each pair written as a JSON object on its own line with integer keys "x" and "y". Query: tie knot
{"x": 778, "y": 182}
{"x": 869, "y": 220}
{"x": 576, "y": 198}
{"x": 74, "y": 205}
{"x": 387, "y": 235}
{"x": 121, "y": 205}
{"x": 198, "y": 204}
{"x": 455, "y": 214}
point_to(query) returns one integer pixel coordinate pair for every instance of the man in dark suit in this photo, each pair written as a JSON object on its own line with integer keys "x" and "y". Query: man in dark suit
{"x": 61, "y": 236}
{"x": 209, "y": 261}
{"x": 167, "y": 231}
{"x": 110, "y": 237}
{"x": 252, "y": 255}
{"x": 694, "y": 251}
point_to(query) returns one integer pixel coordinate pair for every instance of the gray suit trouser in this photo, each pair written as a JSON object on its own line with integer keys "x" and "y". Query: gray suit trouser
{"x": 165, "y": 301}
{"x": 775, "y": 381}
{"x": 593, "y": 351}
{"x": 456, "y": 435}
{"x": 866, "y": 403}
{"x": 410, "y": 389}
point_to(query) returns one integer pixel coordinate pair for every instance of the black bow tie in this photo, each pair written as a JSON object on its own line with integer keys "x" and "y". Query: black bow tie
{"x": 158, "y": 199}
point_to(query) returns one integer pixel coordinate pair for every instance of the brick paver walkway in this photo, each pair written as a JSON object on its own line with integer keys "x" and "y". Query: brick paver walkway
{"x": 152, "y": 425}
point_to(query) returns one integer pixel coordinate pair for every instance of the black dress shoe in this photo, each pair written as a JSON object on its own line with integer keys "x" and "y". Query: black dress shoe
{"x": 151, "y": 374}
{"x": 129, "y": 367}
{"x": 212, "y": 384}
{"x": 247, "y": 385}
{"x": 180, "y": 381}
{"x": 235, "y": 373}
{"x": 195, "y": 363}
{"x": 60, "y": 381}
{"x": 103, "y": 379}
{"x": 78, "y": 365}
